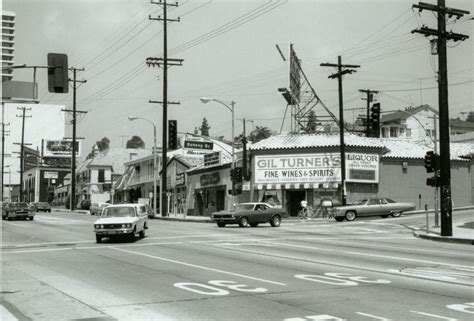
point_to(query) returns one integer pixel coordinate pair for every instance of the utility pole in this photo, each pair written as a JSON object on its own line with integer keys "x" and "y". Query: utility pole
{"x": 370, "y": 98}
{"x": 444, "y": 146}
{"x": 22, "y": 144}
{"x": 244, "y": 153}
{"x": 338, "y": 75}
{"x": 74, "y": 138}
{"x": 4, "y": 133}
{"x": 165, "y": 62}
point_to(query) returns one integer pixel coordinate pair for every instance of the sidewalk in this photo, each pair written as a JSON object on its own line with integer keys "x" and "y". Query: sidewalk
{"x": 462, "y": 233}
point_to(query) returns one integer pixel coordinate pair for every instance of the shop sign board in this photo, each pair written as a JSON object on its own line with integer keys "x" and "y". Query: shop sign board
{"x": 52, "y": 175}
{"x": 315, "y": 168}
{"x": 362, "y": 168}
{"x": 180, "y": 179}
{"x": 212, "y": 159}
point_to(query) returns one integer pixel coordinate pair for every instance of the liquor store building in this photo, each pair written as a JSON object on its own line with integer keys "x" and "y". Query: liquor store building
{"x": 290, "y": 168}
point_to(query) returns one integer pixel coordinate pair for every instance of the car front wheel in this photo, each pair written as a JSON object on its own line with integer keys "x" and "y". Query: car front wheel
{"x": 244, "y": 222}
{"x": 220, "y": 224}
{"x": 396, "y": 214}
{"x": 351, "y": 215}
{"x": 275, "y": 221}
{"x": 98, "y": 238}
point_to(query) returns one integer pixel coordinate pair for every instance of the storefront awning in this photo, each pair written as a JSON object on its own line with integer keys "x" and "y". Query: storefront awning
{"x": 331, "y": 185}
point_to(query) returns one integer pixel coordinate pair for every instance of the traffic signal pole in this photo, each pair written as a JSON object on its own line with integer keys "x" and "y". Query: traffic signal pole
{"x": 445, "y": 160}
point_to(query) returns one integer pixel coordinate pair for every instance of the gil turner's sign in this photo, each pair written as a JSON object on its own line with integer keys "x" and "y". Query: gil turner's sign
{"x": 315, "y": 168}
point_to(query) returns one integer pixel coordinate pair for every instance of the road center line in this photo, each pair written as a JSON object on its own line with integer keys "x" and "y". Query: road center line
{"x": 433, "y": 315}
{"x": 373, "y": 316}
{"x": 197, "y": 266}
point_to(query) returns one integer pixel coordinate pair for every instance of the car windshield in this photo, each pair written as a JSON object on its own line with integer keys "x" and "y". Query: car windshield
{"x": 19, "y": 205}
{"x": 244, "y": 207}
{"x": 118, "y": 212}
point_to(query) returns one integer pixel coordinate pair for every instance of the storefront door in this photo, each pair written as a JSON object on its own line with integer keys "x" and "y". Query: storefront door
{"x": 294, "y": 199}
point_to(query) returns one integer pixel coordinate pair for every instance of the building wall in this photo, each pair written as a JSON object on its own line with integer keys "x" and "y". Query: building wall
{"x": 410, "y": 185}
{"x": 8, "y": 43}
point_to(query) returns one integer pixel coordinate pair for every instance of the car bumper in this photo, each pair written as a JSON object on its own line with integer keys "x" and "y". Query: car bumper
{"x": 22, "y": 215}
{"x": 122, "y": 231}
{"x": 226, "y": 220}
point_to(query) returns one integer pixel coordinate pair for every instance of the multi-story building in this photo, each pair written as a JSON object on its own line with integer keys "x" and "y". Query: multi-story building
{"x": 8, "y": 44}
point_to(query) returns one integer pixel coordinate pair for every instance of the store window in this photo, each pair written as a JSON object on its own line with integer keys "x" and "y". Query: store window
{"x": 272, "y": 197}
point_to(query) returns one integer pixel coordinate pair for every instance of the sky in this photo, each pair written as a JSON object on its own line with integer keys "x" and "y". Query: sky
{"x": 229, "y": 54}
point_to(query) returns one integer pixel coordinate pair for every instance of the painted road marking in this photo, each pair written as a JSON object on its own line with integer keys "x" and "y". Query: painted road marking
{"x": 373, "y": 316}
{"x": 367, "y": 254}
{"x": 433, "y": 315}
{"x": 197, "y": 266}
{"x": 5, "y": 315}
{"x": 436, "y": 273}
{"x": 466, "y": 307}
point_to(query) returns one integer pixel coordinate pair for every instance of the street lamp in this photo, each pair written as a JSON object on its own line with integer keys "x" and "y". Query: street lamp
{"x": 205, "y": 100}
{"x": 132, "y": 118}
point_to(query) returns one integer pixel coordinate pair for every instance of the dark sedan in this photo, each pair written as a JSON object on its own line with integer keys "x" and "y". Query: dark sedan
{"x": 249, "y": 214}
{"x": 43, "y": 207}
{"x": 17, "y": 210}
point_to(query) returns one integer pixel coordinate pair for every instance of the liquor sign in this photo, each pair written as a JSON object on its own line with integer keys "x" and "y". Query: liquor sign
{"x": 212, "y": 159}
{"x": 197, "y": 144}
{"x": 61, "y": 148}
{"x": 295, "y": 81}
{"x": 362, "y": 168}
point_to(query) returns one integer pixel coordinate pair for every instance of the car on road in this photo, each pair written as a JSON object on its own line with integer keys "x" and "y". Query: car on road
{"x": 250, "y": 214}
{"x": 96, "y": 208}
{"x": 17, "y": 210}
{"x": 383, "y": 207}
{"x": 121, "y": 220}
{"x": 42, "y": 206}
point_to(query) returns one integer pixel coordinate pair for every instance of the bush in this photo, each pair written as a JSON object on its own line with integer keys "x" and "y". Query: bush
{"x": 86, "y": 204}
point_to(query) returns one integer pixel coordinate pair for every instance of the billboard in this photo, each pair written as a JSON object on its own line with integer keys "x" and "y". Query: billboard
{"x": 295, "y": 77}
{"x": 59, "y": 148}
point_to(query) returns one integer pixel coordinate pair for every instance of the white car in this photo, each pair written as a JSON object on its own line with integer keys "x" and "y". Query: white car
{"x": 124, "y": 219}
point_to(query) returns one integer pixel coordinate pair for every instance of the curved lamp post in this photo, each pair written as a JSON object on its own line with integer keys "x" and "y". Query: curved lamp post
{"x": 205, "y": 100}
{"x": 132, "y": 118}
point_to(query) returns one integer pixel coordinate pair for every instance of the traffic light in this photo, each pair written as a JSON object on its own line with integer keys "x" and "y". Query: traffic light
{"x": 374, "y": 121}
{"x": 433, "y": 181}
{"x": 431, "y": 162}
{"x": 58, "y": 79}
{"x": 238, "y": 174}
{"x": 172, "y": 134}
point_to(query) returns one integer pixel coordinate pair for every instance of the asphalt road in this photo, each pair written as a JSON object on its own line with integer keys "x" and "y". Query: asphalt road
{"x": 372, "y": 269}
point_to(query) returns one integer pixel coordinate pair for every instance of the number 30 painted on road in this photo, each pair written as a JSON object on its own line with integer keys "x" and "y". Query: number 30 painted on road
{"x": 212, "y": 290}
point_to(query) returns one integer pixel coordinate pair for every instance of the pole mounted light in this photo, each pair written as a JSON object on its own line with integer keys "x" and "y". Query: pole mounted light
{"x": 205, "y": 100}
{"x": 155, "y": 162}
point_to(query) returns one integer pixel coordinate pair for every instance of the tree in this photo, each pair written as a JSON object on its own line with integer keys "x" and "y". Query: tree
{"x": 470, "y": 117}
{"x": 260, "y": 133}
{"x": 135, "y": 142}
{"x": 99, "y": 146}
{"x": 204, "y": 127}
{"x": 311, "y": 125}
{"x": 103, "y": 144}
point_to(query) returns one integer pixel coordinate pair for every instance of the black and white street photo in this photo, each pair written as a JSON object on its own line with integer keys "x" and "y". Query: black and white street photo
{"x": 288, "y": 160}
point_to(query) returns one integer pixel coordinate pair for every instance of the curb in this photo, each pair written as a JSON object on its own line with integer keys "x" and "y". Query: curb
{"x": 439, "y": 238}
